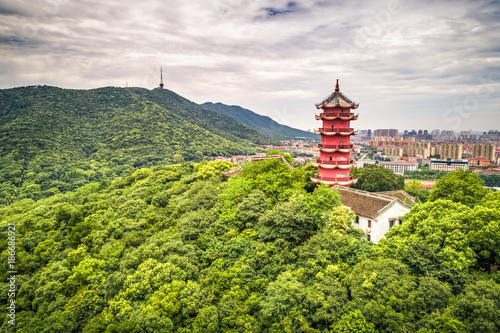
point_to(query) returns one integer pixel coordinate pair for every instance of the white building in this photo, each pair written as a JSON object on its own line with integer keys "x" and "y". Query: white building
{"x": 399, "y": 167}
{"x": 363, "y": 163}
{"x": 448, "y": 165}
{"x": 376, "y": 213}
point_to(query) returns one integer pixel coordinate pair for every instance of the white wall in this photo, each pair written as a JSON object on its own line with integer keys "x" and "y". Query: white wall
{"x": 380, "y": 225}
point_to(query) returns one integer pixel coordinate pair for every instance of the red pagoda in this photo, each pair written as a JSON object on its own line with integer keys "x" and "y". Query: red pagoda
{"x": 335, "y": 147}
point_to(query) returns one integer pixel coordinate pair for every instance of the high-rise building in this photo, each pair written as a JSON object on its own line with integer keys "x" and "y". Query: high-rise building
{"x": 335, "y": 148}
{"x": 369, "y": 133}
{"x": 451, "y": 150}
{"x": 486, "y": 150}
{"x": 393, "y": 151}
{"x": 393, "y": 133}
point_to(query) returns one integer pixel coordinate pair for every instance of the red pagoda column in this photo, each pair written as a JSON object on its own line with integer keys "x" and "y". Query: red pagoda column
{"x": 335, "y": 148}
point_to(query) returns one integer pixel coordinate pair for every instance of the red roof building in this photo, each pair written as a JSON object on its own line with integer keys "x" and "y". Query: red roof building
{"x": 478, "y": 161}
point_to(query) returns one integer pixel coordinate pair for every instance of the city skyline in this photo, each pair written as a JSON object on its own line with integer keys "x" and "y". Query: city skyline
{"x": 410, "y": 62}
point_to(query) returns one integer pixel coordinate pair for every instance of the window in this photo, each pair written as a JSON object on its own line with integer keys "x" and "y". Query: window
{"x": 356, "y": 220}
{"x": 391, "y": 224}
{"x": 368, "y": 237}
{"x": 330, "y": 158}
{"x": 369, "y": 223}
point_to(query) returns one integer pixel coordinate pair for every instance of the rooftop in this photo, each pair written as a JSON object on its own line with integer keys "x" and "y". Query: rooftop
{"x": 336, "y": 99}
{"x": 370, "y": 204}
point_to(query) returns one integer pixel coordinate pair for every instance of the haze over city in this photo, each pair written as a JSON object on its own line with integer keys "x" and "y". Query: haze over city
{"x": 410, "y": 65}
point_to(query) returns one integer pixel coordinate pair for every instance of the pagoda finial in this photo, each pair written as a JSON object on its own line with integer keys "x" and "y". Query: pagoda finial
{"x": 337, "y": 86}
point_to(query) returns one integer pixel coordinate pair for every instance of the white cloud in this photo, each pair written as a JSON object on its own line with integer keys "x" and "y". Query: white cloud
{"x": 405, "y": 62}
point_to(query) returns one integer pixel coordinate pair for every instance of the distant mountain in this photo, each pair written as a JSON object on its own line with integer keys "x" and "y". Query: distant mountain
{"x": 263, "y": 124}
{"x": 81, "y": 136}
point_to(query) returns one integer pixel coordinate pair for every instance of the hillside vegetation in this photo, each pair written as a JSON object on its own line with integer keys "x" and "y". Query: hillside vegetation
{"x": 180, "y": 248}
{"x": 82, "y": 136}
{"x": 263, "y": 124}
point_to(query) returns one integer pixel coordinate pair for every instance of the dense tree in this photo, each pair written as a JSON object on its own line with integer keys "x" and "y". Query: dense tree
{"x": 374, "y": 178}
{"x": 478, "y": 307}
{"x": 459, "y": 186}
{"x": 417, "y": 190}
{"x": 353, "y": 321}
{"x": 433, "y": 240}
{"x": 179, "y": 248}
{"x": 290, "y": 221}
{"x": 484, "y": 231}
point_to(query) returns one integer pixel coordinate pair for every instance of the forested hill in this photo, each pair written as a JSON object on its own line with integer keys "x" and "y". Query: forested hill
{"x": 263, "y": 124}
{"x": 180, "y": 248}
{"x": 89, "y": 135}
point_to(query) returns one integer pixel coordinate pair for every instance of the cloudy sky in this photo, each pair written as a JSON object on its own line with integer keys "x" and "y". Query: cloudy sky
{"x": 411, "y": 64}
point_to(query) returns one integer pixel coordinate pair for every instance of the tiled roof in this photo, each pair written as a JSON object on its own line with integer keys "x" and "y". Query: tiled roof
{"x": 337, "y": 99}
{"x": 364, "y": 203}
{"x": 401, "y": 195}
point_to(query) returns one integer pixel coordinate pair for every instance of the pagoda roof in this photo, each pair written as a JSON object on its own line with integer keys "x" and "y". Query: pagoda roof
{"x": 336, "y": 99}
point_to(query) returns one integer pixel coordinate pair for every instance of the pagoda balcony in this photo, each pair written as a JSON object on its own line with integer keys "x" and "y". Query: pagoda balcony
{"x": 337, "y": 115}
{"x": 332, "y": 179}
{"x": 327, "y": 164}
{"x": 344, "y": 181}
{"x": 335, "y": 146}
{"x": 328, "y": 131}
{"x": 334, "y": 162}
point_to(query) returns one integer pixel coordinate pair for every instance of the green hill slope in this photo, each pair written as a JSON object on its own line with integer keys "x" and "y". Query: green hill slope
{"x": 263, "y": 124}
{"x": 89, "y": 135}
{"x": 216, "y": 122}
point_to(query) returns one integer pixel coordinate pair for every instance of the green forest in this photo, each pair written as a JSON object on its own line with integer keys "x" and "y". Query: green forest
{"x": 426, "y": 174}
{"x": 84, "y": 136}
{"x": 181, "y": 248}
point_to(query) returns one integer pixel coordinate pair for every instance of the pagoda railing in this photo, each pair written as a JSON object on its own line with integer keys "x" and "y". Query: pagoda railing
{"x": 335, "y": 146}
{"x": 329, "y": 129}
{"x": 334, "y": 162}
{"x": 336, "y": 114}
{"x": 333, "y": 179}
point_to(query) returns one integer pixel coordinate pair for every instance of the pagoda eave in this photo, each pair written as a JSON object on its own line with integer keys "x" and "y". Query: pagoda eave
{"x": 350, "y": 106}
{"x": 323, "y": 117}
{"x": 327, "y": 182}
{"x": 336, "y": 150}
{"x": 321, "y": 132}
{"x": 331, "y": 166}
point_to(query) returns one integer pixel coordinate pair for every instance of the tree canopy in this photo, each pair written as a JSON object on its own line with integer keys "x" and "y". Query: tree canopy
{"x": 374, "y": 178}
{"x": 180, "y": 248}
{"x": 459, "y": 186}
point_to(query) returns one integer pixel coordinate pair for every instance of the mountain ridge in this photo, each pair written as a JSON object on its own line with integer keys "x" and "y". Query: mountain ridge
{"x": 82, "y": 136}
{"x": 263, "y": 124}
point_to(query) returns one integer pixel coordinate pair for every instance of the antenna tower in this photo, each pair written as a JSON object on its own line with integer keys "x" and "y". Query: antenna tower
{"x": 161, "y": 78}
